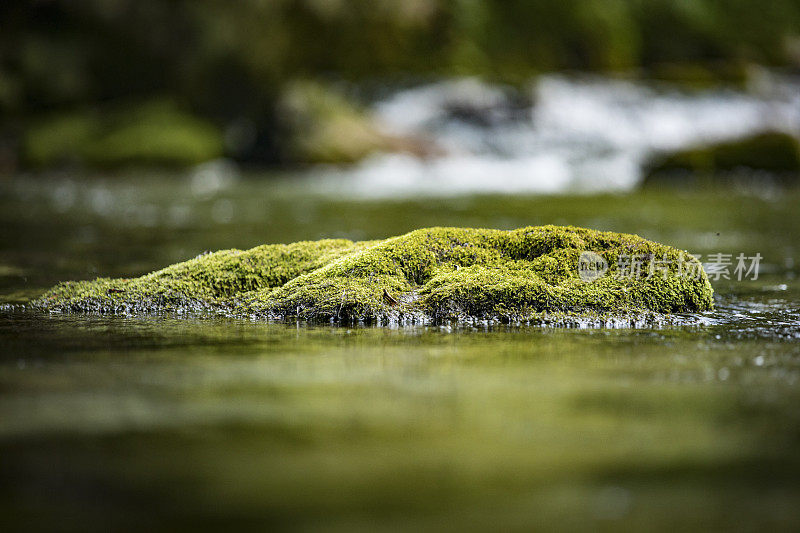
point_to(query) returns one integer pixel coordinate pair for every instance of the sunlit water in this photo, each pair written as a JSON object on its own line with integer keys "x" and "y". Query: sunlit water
{"x": 566, "y": 135}
{"x": 161, "y": 422}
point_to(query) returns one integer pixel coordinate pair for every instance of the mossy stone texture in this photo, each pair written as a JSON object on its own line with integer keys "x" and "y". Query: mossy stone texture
{"x": 427, "y": 274}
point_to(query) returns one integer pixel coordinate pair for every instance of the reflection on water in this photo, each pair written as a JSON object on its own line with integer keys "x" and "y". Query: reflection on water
{"x": 342, "y": 428}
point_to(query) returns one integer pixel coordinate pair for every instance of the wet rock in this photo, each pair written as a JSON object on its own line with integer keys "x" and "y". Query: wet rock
{"x": 327, "y": 127}
{"x": 773, "y": 155}
{"x": 695, "y": 75}
{"x": 532, "y": 273}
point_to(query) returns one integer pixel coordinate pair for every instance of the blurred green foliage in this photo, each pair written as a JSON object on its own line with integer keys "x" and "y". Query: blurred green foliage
{"x": 153, "y": 133}
{"x": 229, "y": 62}
{"x": 326, "y": 126}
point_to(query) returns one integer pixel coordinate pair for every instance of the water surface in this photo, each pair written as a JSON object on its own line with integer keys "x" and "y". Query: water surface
{"x": 163, "y": 422}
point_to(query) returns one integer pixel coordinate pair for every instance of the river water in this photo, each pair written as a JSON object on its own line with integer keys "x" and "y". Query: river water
{"x": 165, "y": 422}
{"x": 561, "y": 134}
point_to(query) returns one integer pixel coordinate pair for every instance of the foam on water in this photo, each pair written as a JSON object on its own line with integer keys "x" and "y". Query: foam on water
{"x": 571, "y": 135}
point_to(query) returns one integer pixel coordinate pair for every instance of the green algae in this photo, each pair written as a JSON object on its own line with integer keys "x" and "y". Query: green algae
{"x": 428, "y": 274}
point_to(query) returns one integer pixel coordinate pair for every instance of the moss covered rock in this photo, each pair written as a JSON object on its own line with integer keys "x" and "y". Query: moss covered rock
{"x": 428, "y": 274}
{"x": 326, "y": 127}
{"x": 774, "y": 153}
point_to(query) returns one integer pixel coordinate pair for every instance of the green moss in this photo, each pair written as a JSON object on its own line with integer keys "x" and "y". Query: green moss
{"x": 775, "y": 153}
{"x": 435, "y": 273}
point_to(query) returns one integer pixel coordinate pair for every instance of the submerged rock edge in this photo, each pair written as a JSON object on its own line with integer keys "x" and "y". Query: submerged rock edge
{"x": 427, "y": 275}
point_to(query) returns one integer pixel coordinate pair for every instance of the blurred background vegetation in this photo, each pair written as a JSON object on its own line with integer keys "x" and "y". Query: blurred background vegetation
{"x": 110, "y": 83}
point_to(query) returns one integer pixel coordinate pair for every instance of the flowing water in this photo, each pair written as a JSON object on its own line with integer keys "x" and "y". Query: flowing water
{"x": 165, "y": 422}
{"x": 563, "y": 134}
